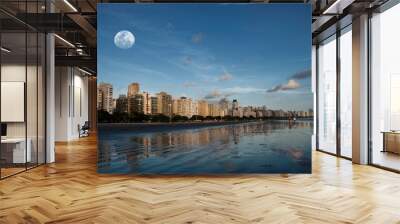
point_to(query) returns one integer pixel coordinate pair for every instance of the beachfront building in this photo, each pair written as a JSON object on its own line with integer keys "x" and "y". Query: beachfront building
{"x": 202, "y": 108}
{"x": 136, "y": 103}
{"x": 140, "y": 103}
{"x": 164, "y": 103}
{"x": 133, "y": 89}
{"x": 249, "y": 112}
{"x": 183, "y": 107}
{"x": 154, "y": 105}
{"x": 121, "y": 104}
{"x": 195, "y": 108}
{"x": 105, "y": 97}
{"x": 146, "y": 103}
{"x": 214, "y": 110}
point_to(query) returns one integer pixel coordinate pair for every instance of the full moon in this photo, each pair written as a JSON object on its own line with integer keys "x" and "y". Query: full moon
{"x": 124, "y": 39}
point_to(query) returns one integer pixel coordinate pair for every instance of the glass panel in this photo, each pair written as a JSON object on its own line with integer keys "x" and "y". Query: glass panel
{"x": 23, "y": 90}
{"x": 327, "y": 95}
{"x": 346, "y": 92}
{"x": 385, "y": 92}
{"x": 32, "y": 88}
{"x": 13, "y": 86}
{"x": 31, "y": 98}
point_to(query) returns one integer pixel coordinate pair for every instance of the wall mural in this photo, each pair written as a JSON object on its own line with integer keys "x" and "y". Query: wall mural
{"x": 204, "y": 88}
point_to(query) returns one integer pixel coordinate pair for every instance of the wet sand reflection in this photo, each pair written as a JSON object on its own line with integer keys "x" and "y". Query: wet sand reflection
{"x": 256, "y": 147}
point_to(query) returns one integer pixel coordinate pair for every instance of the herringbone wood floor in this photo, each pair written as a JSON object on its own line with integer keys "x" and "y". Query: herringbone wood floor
{"x": 70, "y": 191}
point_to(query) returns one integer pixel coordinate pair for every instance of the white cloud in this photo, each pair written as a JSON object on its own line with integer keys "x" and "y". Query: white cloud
{"x": 226, "y": 92}
{"x": 290, "y": 85}
{"x": 242, "y": 90}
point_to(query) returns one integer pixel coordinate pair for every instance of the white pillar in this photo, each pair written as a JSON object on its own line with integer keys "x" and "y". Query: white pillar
{"x": 360, "y": 90}
{"x": 63, "y": 102}
{"x": 50, "y": 99}
{"x": 314, "y": 91}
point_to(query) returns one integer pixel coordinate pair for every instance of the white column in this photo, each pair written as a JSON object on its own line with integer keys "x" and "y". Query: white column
{"x": 360, "y": 90}
{"x": 63, "y": 101}
{"x": 314, "y": 91}
{"x": 50, "y": 99}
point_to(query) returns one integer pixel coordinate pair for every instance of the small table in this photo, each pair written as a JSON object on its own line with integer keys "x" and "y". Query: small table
{"x": 19, "y": 154}
{"x": 391, "y": 141}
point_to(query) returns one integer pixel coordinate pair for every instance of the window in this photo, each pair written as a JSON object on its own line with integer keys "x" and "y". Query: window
{"x": 385, "y": 89}
{"x": 327, "y": 95}
{"x": 346, "y": 92}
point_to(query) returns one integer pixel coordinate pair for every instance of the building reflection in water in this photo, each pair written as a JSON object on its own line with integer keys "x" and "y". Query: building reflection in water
{"x": 161, "y": 145}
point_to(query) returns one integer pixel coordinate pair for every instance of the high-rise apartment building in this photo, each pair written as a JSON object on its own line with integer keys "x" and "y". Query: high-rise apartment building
{"x": 249, "y": 112}
{"x": 122, "y": 104}
{"x": 135, "y": 103}
{"x": 140, "y": 103}
{"x": 105, "y": 97}
{"x": 99, "y": 99}
{"x": 214, "y": 109}
{"x": 195, "y": 108}
{"x": 202, "y": 106}
{"x": 164, "y": 103}
{"x": 154, "y": 105}
{"x": 133, "y": 89}
{"x": 146, "y": 103}
{"x": 183, "y": 107}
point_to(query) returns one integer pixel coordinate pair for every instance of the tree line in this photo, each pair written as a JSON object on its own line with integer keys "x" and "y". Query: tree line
{"x": 135, "y": 117}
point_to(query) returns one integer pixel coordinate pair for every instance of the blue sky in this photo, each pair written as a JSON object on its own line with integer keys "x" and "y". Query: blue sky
{"x": 259, "y": 54}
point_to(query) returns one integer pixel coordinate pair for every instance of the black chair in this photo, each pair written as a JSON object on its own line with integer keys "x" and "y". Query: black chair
{"x": 84, "y": 130}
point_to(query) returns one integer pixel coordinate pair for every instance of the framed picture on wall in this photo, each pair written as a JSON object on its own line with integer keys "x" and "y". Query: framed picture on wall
{"x": 204, "y": 88}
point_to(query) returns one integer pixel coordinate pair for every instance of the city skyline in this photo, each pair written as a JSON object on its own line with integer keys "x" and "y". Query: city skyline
{"x": 136, "y": 100}
{"x": 210, "y": 61}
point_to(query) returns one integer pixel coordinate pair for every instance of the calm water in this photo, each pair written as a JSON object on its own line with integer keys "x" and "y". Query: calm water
{"x": 256, "y": 147}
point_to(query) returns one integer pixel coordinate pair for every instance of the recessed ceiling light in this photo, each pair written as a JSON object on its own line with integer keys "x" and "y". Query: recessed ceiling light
{"x": 70, "y": 5}
{"x": 337, "y": 7}
{"x": 64, "y": 40}
{"x": 84, "y": 71}
{"x": 5, "y": 50}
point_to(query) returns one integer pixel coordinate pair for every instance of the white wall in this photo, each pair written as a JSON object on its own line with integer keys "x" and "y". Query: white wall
{"x": 17, "y": 73}
{"x": 9, "y": 73}
{"x": 71, "y": 103}
{"x": 33, "y": 126}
